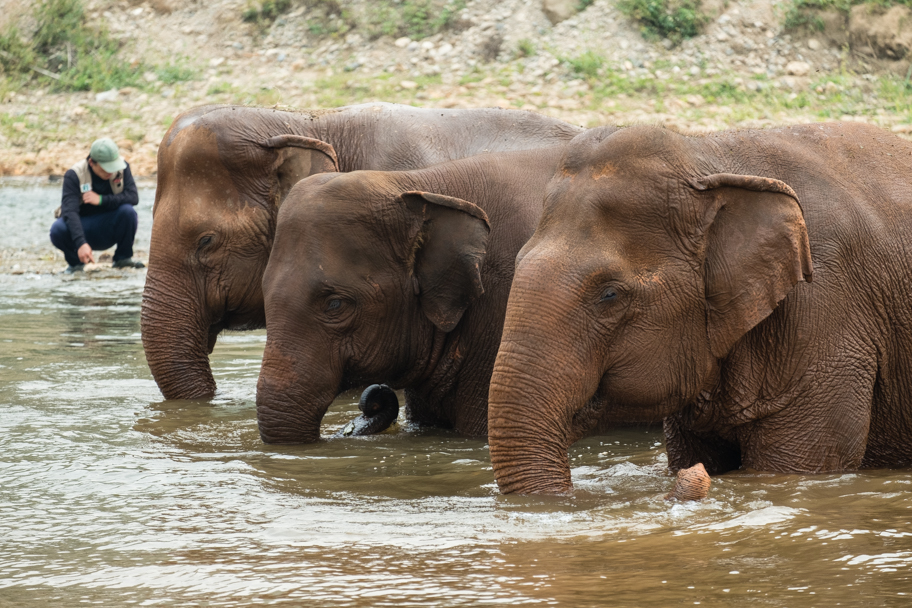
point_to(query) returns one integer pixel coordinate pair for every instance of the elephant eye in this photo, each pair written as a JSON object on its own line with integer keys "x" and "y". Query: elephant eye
{"x": 610, "y": 294}
{"x": 334, "y": 304}
{"x": 204, "y": 241}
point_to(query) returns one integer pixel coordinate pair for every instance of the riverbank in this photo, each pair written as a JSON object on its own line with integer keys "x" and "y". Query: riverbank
{"x": 27, "y": 205}
{"x": 747, "y": 69}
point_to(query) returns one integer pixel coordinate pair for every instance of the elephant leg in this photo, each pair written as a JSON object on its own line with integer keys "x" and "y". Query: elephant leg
{"x": 824, "y": 427}
{"x": 379, "y": 409}
{"x": 687, "y": 447}
{"x": 795, "y": 441}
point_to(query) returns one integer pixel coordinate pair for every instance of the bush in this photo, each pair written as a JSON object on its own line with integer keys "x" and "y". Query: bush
{"x": 73, "y": 55}
{"x": 672, "y": 19}
{"x": 16, "y": 56}
{"x": 77, "y": 57}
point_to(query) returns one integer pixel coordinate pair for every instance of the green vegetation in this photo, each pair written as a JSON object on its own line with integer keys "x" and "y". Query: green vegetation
{"x": 525, "y": 48}
{"x": 799, "y": 13}
{"x": 220, "y": 88}
{"x": 672, "y": 19}
{"x": 416, "y": 19}
{"x": 805, "y": 13}
{"x": 830, "y": 97}
{"x": 267, "y": 10}
{"x": 588, "y": 64}
{"x": 173, "y": 73}
{"x": 343, "y": 89}
{"x": 16, "y": 56}
{"x": 63, "y": 49}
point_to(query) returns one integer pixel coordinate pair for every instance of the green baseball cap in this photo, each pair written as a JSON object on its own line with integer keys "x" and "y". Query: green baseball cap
{"x": 105, "y": 153}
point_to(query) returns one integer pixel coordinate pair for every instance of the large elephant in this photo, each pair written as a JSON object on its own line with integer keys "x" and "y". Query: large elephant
{"x": 399, "y": 277}
{"x": 224, "y": 170}
{"x": 670, "y": 278}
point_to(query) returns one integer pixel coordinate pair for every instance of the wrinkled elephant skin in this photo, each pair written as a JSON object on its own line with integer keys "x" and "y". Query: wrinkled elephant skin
{"x": 223, "y": 171}
{"x": 400, "y": 277}
{"x": 748, "y": 288}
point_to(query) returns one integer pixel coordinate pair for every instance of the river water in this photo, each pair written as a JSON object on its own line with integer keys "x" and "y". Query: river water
{"x": 110, "y": 495}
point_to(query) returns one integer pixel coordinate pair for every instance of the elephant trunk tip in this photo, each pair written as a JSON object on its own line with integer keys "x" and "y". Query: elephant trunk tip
{"x": 380, "y": 410}
{"x": 690, "y": 484}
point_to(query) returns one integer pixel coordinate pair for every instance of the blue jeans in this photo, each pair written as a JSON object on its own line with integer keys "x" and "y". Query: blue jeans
{"x": 117, "y": 227}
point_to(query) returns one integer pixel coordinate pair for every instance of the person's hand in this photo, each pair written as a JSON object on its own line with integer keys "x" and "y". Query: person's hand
{"x": 85, "y": 252}
{"x": 91, "y": 198}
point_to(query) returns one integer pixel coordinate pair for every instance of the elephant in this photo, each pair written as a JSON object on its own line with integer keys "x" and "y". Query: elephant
{"x": 223, "y": 172}
{"x": 399, "y": 277}
{"x": 748, "y": 289}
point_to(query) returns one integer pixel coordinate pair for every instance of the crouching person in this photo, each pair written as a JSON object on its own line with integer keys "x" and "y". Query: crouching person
{"x": 97, "y": 209}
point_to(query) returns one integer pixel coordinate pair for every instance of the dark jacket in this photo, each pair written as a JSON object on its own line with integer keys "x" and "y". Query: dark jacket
{"x": 72, "y": 207}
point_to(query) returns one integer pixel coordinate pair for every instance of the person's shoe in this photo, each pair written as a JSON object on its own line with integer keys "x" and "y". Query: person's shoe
{"x": 128, "y": 263}
{"x": 74, "y": 269}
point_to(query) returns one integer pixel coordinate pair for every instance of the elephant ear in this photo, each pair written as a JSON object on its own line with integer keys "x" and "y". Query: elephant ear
{"x": 756, "y": 250}
{"x": 299, "y": 157}
{"x": 448, "y": 248}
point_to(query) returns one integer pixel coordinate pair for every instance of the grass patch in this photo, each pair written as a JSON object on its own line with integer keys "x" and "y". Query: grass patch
{"x": 416, "y": 19}
{"x": 63, "y": 50}
{"x": 16, "y": 56}
{"x": 266, "y": 11}
{"x": 324, "y": 17}
{"x": 525, "y": 48}
{"x": 803, "y": 13}
{"x": 346, "y": 89}
{"x": 220, "y": 89}
{"x": 173, "y": 73}
{"x": 806, "y": 13}
{"x": 727, "y": 99}
{"x": 475, "y": 75}
{"x": 672, "y": 19}
{"x": 587, "y": 65}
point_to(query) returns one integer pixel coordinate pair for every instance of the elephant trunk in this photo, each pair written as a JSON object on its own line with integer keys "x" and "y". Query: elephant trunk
{"x": 176, "y": 338}
{"x": 528, "y": 447}
{"x": 292, "y": 396}
{"x": 537, "y": 404}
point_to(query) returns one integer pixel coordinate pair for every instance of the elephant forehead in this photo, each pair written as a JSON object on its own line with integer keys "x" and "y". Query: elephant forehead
{"x": 198, "y": 191}
{"x": 332, "y": 237}
{"x": 586, "y": 201}
{"x": 333, "y": 219}
{"x": 191, "y": 171}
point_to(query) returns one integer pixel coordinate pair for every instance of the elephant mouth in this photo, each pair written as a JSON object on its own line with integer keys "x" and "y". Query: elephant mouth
{"x": 233, "y": 323}
{"x": 239, "y": 319}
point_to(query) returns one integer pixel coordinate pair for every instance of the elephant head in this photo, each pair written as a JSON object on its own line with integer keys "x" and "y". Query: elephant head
{"x": 365, "y": 280}
{"x": 222, "y": 174}
{"x": 647, "y": 267}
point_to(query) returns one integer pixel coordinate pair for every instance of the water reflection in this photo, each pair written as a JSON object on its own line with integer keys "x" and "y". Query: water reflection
{"x": 110, "y": 495}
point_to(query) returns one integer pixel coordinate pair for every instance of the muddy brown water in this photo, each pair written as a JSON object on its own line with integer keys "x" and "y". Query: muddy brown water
{"x": 110, "y": 495}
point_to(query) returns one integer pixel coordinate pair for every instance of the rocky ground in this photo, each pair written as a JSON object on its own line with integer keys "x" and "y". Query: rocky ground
{"x": 48, "y": 260}
{"x": 593, "y": 67}
{"x": 588, "y": 67}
